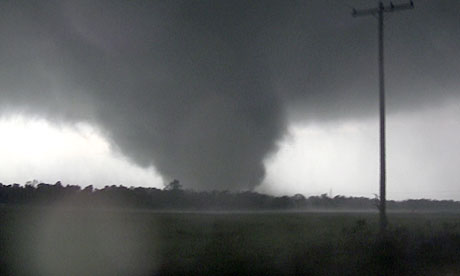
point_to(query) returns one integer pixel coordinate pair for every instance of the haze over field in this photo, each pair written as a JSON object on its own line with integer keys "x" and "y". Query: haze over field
{"x": 277, "y": 96}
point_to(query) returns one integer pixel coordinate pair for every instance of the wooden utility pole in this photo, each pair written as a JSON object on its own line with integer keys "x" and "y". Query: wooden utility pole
{"x": 379, "y": 13}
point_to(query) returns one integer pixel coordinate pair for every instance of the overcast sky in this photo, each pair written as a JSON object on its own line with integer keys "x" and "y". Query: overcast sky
{"x": 277, "y": 96}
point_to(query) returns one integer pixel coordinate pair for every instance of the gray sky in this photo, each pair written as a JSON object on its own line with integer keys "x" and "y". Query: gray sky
{"x": 207, "y": 91}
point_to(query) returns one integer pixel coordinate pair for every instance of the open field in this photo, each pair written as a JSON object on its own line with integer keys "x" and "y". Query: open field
{"x": 80, "y": 242}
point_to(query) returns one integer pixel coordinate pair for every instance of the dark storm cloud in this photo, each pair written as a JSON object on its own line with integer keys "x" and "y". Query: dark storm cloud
{"x": 201, "y": 89}
{"x": 326, "y": 61}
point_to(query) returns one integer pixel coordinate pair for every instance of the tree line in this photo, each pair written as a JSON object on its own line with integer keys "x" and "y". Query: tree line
{"x": 173, "y": 197}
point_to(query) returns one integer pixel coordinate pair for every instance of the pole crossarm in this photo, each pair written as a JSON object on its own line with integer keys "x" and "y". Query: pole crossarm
{"x": 389, "y": 8}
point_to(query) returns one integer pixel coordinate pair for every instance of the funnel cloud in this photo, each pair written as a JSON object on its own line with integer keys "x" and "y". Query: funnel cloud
{"x": 203, "y": 90}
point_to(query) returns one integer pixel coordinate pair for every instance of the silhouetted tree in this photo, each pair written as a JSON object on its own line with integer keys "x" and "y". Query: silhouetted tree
{"x": 173, "y": 186}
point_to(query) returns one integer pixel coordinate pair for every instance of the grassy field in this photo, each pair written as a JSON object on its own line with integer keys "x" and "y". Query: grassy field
{"x": 77, "y": 242}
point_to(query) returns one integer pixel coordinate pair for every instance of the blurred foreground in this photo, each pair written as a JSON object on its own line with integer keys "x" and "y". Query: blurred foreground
{"x": 69, "y": 241}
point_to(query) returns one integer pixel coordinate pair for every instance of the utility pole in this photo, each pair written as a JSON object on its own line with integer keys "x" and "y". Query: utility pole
{"x": 379, "y": 13}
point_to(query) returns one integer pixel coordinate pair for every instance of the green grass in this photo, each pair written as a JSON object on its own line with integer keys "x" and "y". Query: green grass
{"x": 77, "y": 242}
